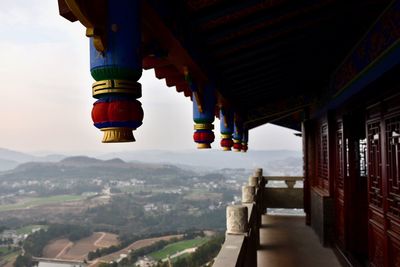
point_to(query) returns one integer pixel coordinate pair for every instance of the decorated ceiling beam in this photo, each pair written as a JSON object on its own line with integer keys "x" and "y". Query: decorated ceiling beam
{"x": 256, "y": 84}
{"x": 376, "y": 53}
{"x": 296, "y": 14}
{"x": 273, "y": 112}
{"x": 155, "y": 30}
{"x": 236, "y": 12}
{"x": 123, "y": 40}
{"x": 233, "y": 48}
{"x": 195, "y": 5}
{"x": 94, "y": 19}
{"x": 291, "y": 118}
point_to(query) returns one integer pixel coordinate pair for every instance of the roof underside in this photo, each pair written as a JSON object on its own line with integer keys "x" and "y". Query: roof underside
{"x": 269, "y": 58}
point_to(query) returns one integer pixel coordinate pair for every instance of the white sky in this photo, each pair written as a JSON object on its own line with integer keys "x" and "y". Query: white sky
{"x": 46, "y": 97}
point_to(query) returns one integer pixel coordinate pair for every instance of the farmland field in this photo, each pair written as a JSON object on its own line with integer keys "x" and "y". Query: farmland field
{"x": 55, "y": 247}
{"x": 66, "y": 250}
{"x": 174, "y": 248}
{"x": 136, "y": 245}
{"x": 40, "y": 201}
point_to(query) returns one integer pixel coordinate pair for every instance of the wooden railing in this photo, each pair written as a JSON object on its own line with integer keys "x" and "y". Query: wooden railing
{"x": 244, "y": 221}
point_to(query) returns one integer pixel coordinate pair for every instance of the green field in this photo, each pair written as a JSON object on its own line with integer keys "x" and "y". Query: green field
{"x": 39, "y": 201}
{"x": 9, "y": 257}
{"x": 28, "y": 229}
{"x": 173, "y": 248}
{"x": 4, "y": 250}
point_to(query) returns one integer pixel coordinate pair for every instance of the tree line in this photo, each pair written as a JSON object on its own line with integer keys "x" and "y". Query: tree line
{"x": 204, "y": 254}
{"x": 127, "y": 240}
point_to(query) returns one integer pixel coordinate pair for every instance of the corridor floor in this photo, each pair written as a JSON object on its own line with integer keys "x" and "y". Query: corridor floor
{"x": 287, "y": 242}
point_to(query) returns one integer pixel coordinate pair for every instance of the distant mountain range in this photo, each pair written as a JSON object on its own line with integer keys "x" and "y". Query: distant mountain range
{"x": 10, "y": 159}
{"x": 86, "y": 167}
{"x": 198, "y": 160}
{"x": 215, "y": 159}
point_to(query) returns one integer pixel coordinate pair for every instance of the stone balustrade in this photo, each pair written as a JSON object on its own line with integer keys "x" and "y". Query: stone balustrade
{"x": 244, "y": 221}
{"x": 288, "y": 197}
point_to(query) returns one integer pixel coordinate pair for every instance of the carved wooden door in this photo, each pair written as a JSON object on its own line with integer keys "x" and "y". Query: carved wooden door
{"x": 340, "y": 173}
{"x": 384, "y": 185}
{"x": 376, "y": 222}
{"x": 392, "y": 201}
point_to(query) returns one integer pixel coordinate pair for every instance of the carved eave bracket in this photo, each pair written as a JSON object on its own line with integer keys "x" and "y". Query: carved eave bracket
{"x": 92, "y": 15}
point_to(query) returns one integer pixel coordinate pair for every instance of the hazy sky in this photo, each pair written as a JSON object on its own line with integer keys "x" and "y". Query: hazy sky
{"x": 46, "y": 92}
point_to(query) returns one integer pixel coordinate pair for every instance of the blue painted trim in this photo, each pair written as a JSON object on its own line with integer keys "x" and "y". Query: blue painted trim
{"x": 387, "y": 62}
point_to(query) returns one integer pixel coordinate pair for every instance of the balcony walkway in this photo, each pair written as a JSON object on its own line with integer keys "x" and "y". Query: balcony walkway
{"x": 287, "y": 241}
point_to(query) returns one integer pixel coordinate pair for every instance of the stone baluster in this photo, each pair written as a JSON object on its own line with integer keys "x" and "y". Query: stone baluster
{"x": 248, "y": 194}
{"x": 290, "y": 183}
{"x": 253, "y": 181}
{"x": 236, "y": 219}
{"x": 258, "y": 172}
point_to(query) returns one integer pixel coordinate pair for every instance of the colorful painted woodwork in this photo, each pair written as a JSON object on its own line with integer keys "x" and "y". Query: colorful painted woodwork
{"x": 375, "y": 54}
{"x": 226, "y": 128}
{"x": 245, "y": 140}
{"x": 116, "y": 71}
{"x": 238, "y": 134}
{"x": 117, "y": 116}
{"x": 203, "y": 115}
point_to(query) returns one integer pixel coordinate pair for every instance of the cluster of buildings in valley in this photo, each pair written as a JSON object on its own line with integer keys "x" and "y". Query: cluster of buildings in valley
{"x": 10, "y": 237}
{"x": 154, "y": 207}
{"x": 13, "y": 238}
{"x": 32, "y": 187}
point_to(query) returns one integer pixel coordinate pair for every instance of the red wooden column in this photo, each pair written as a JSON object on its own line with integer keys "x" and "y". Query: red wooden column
{"x": 339, "y": 184}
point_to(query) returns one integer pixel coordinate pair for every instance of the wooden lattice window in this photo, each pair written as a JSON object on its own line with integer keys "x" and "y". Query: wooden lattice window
{"x": 374, "y": 165}
{"x": 322, "y": 152}
{"x": 392, "y": 132}
{"x": 339, "y": 156}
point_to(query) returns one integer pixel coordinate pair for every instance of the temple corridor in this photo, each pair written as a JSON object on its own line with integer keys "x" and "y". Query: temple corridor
{"x": 286, "y": 241}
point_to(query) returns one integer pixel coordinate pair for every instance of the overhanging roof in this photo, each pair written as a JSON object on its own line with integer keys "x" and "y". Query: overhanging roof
{"x": 269, "y": 59}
